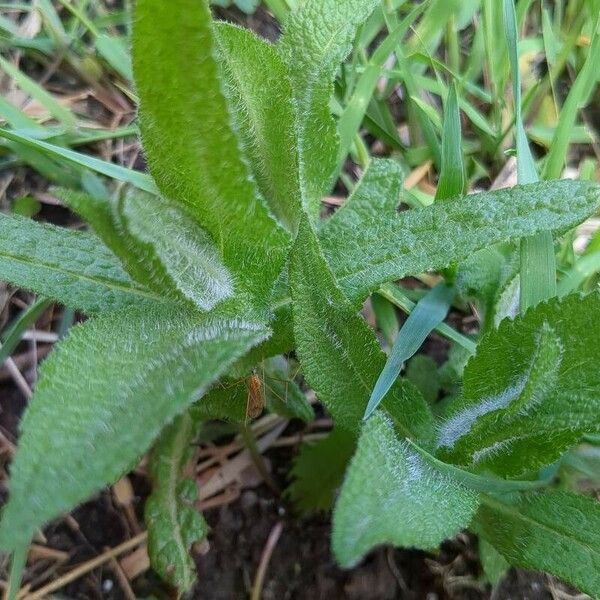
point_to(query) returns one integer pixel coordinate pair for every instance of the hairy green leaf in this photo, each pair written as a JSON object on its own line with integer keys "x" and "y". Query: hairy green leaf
{"x": 103, "y": 397}
{"x": 422, "y": 371}
{"x": 530, "y": 392}
{"x": 339, "y": 353}
{"x": 159, "y": 245}
{"x": 260, "y": 92}
{"x": 227, "y": 400}
{"x": 192, "y": 150}
{"x": 318, "y": 471}
{"x": 178, "y": 253}
{"x": 494, "y": 565}
{"x": 317, "y": 38}
{"x": 174, "y": 524}
{"x": 485, "y": 279}
{"x": 391, "y": 495}
{"x": 72, "y": 267}
{"x": 382, "y": 249}
{"x": 376, "y": 195}
{"x": 553, "y": 531}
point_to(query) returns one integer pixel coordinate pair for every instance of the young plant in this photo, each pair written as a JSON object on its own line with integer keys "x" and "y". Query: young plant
{"x": 219, "y": 262}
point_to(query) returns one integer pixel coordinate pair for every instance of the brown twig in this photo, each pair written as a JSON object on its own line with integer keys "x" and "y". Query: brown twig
{"x": 122, "y": 579}
{"x": 82, "y": 569}
{"x": 267, "y": 552}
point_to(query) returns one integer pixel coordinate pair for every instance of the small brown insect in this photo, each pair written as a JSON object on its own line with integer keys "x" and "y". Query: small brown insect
{"x": 256, "y": 398}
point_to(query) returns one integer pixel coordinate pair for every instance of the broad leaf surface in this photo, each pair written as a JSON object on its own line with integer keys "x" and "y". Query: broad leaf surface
{"x": 375, "y": 196}
{"x": 72, "y": 267}
{"x": 317, "y": 37}
{"x": 260, "y": 92}
{"x": 392, "y": 496}
{"x": 530, "y": 392}
{"x": 159, "y": 245}
{"x": 180, "y": 254}
{"x": 104, "y": 395}
{"x": 383, "y": 249}
{"x": 339, "y": 353}
{"x": 554, "y": 531}
{"x": 173, "y": 522}
{"x": 191, "y": 147}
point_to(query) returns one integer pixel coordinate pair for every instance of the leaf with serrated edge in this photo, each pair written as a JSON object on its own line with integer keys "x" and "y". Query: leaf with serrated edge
{"x": 72, "y": 267}
{"x": 104, "y": 395}
{"x": 384, "y": 249}
{"x": 190, "y": 145}
{"x": 339, "y": 353}
{"x": 530, "y": 392}
{"x": 376, "y": 194}
{"x": 317, "y": 38}
{"x": 174, "y": 524}
{"x": 318, "y": 471}
{"x": 391, "y": 495}
{"x": 553, "y": 531}
{"x": 258, "y": 88}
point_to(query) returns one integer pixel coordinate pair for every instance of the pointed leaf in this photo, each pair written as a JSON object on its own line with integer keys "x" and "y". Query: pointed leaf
{"x": 383, "y": 249}
{"x": 72, "y": 267}
{"x": 530, "y": 392}
{"x": 173, "y": 522}
{"x": 538, "y": 263}
{"x": 259, "y": 89}
{"x": 104, "y": 395}
{"x": 452, "y": 176}
{"x": 159, "y": 245}
{"x": 429, "y": 312}
{"x": 392, "y": 496}
{"x": 317, "y": 38}
{"x": 191, "y": 146}
{"x": 175, "y": 251}
{"x": 554, "y": 531}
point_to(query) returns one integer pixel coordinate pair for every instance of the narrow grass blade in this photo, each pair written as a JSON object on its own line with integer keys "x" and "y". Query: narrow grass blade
{"x": 135, "y": 178}
{"x": 19, "y": 560}
{"x": 429, "y": 312}
{"x": 114, "y": 52}
{"x": 452, "y": 177}
{"x": 538, "y": 262}
{"x": 578, "y": 96}
{"x": 397, "y": 298}
{"x": 584, "y": 267}
{"x": 354, "y": 112}
{"x": 31, "y": 87}
{"x": 20, "y": 325}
